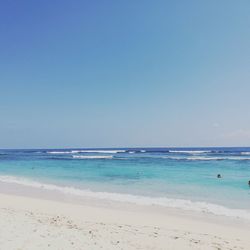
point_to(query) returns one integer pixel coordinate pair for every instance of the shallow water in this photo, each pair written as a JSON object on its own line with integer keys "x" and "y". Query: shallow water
{"x": 184, "y": 178}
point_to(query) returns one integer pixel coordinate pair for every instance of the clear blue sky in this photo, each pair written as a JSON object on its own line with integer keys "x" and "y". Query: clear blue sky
{"x": 124, "y": 73}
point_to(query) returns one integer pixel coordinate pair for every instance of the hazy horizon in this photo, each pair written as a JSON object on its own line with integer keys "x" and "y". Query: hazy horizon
{"x": 136, "y": 147}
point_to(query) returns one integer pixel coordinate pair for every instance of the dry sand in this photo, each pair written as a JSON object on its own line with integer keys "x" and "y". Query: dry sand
{"x": 30, "y": 224}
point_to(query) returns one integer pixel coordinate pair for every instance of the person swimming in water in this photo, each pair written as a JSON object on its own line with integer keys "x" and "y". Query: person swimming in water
{"x": 218, "y": 176}
{"x": 249, "y": 183}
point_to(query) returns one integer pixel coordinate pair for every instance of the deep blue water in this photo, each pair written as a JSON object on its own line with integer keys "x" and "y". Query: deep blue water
{"x": 186, "y": 174}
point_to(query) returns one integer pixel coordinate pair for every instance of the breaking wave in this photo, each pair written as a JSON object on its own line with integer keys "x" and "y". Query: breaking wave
{"x": 59, "y": 152}
{"x": 245, "y": 153}
{"x": 140, "y": 200}
{"x": 189, "y": 151}
{"x": 87, "y": 151}
{"x": 92, "y": 156}
{"x": 208, "y": 158}
{"x": 99, "y": 151}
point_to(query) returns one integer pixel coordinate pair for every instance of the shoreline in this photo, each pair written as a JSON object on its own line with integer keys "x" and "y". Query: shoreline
{"x": 66, "y": 223}
{"x": 33, "y": 188}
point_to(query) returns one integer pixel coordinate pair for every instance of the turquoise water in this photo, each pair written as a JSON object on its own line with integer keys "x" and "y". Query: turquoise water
{"x": 165, "y": 176}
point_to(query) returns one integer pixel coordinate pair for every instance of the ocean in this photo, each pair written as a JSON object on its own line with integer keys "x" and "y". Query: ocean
{"x": 184, "y": 178}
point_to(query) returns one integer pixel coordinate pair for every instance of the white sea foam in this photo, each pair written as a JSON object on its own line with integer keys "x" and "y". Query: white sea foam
{"x": 59, "y": 152}
{"x": 245, "y": 153}
{"x": 99, "y": 151}
{"x": 220, "y": 158}
{"x": 206, "y": 158}
{"x": 87, "y": 151}
{"x": 190, "y": 151}
{"x": 194, "y": 158}
{"x": 198, "y": 158}
{"x": 140, "y": 200}
{"x": 92, "y": 156}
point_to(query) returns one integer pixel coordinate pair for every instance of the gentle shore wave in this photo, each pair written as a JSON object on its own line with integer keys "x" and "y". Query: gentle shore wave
{"x": 189, "y": 205}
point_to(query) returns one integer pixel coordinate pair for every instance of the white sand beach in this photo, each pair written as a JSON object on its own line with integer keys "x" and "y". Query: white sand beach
{"x": 31, "y": 223}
